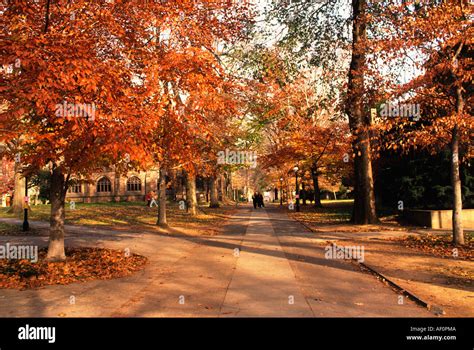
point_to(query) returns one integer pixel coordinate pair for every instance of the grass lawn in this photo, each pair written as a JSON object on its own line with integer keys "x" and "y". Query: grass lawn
{"x": 5, "y": 228}
{"x": 332, "y": 212}
{"x": 125, "y": 215}
{"x": 16, "y": 230}
{"x": 337, "y": 212}
{"x": 342, "y": 203}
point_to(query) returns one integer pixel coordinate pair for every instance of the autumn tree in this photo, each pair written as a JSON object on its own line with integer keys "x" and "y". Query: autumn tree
{"x": 332, "y": 35}
{"x": 12, "y": 179}
{"x": 6, "y": 176}
{"x": 310, "y": 136}
{"x": 300, "y": 118}
{"x": 67, "y": 94}
{"x": 188, "y": 93}
{"x": 432, "y": 41}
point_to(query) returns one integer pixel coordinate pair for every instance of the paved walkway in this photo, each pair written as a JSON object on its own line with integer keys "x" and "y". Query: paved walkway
{"x": 265, "y": 264}
{"x": 263, "y": 284}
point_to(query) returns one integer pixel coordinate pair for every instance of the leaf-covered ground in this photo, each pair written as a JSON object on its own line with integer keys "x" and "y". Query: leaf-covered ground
{"x": 335, "y": 216}
{"x": 440, "y": 245}
{"x": 127, "y": 216}
{"x": 16, "y": 230}
{"x": 333, "y": 212}
{"x": 82, "y": 264}
{"x": 422, "y": 261}
{"x": 437, "y": 278}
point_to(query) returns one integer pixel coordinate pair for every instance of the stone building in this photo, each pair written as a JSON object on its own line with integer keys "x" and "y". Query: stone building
{"x": 111, "y": 186}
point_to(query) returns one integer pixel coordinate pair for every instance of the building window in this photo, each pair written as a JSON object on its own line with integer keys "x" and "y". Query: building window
{"x": 75, "y": 187}
{"x": 104, "y": 185}
{"x": 134, "y": 184}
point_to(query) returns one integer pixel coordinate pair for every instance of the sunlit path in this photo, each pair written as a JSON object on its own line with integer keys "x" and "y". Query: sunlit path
{"x": 263, "y": 283}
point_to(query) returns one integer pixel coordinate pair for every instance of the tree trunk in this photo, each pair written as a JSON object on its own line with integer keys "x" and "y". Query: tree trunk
{"x": 364, "y": 211}
{"x": 206, "y": 189}
{"x": 19, "y": 189}
{"x": 222, "y": 192}
{"x": 317, "y": 190}
{"x": 58, "y": 198}
{"x": 458, "y": 232}
{"x": 162, "y": 221}
{"x": 303, "y": 193}
{"x": 230, "y": 186}
{"x": 191, "y": 198}
{"x": 116, "y": 189}
{"x": 213, "y": 193}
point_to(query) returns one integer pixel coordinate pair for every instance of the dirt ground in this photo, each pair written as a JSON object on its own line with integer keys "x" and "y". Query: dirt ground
{"x": 429, "y": 270}
{"x": 443, "y": 282}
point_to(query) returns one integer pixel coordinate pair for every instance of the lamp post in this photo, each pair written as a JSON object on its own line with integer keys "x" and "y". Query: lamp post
{"x": 281, "y": 191}
{"x": 26, "y": 225}
{"x": 295, "y": 169}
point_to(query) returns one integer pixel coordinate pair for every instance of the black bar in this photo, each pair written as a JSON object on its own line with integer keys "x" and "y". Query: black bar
{"x": 315, "y": 333}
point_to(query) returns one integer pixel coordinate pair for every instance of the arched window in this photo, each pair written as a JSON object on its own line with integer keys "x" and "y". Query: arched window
{"x": 134, "y": 184}
{"x": 75, "y": 187}
{"x": 104, "y": 185}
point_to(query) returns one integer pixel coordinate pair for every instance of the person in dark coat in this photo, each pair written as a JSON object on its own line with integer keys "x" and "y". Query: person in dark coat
{"x": 255, "y": 200}
{"x": 260, "y": 200}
